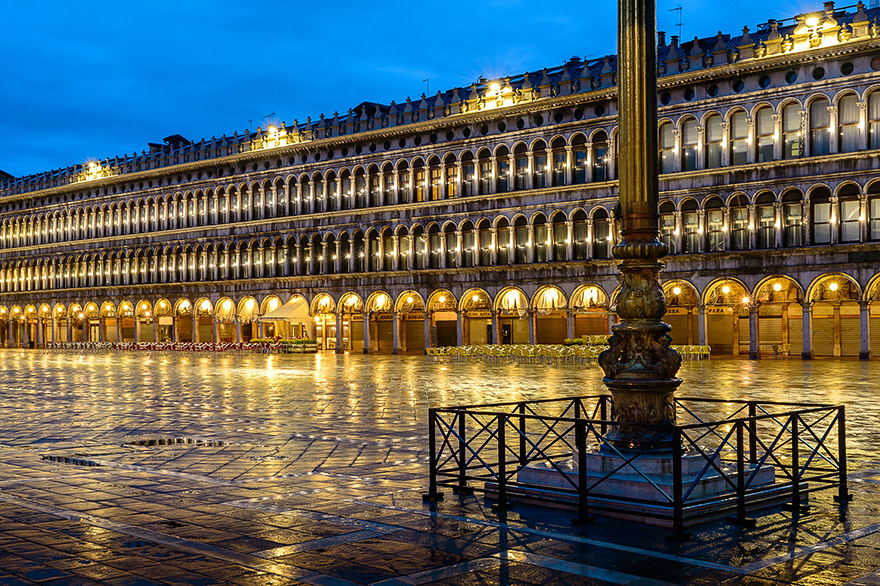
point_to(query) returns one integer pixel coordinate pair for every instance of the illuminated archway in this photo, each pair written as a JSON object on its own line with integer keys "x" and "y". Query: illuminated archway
{"x": 589, "y": 304}
{"x": 682, "y": 300}
{"x": 726, "y": 301}
{"x": 834, "y": 315}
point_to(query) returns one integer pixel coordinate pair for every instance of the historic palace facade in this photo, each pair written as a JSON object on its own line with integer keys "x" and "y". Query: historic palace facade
{"x": 485, "y": 213}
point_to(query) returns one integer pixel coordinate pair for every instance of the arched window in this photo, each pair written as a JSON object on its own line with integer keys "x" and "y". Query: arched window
{"x": 560, "y": 162}
{"x": 691, "y": 222}
{"x": 521, "y": 168}
{"x": 503, "y": 241}
{"x": 739, "y": 223}
{"x": 792, "y": 140}
{"x": 714, "y": 141}
{"x": 766, "y": 213}
{"x": 451, "y": 242}
{"x": 739, "y": 138}
{"x": 689, "y": 138}
{"x": 850, "y": 210}
{"x": 468, "y": 175}
{"x": 714, "y": 224}
{"x": 600, "y": 157}
{"x": 520, "y": 241}
{"x": 764, "y": 132}
{"x": 539, "y": 156}
{"x": 451, "y": 177}
{"x": 434, "y": 246}
{"x": 360, "y": 189}
{"x": 579, "y": 158}
{"x": 388, "y": 184}
{"x": 601, "y": 234}
{"x": 375, "y": 186}
{"x": 485, "y": 165}
{"x": 874, "y": 211}
{"x": 484, "y": 242}
{"x": 420, "y": 247}
{"x": 559, "y": 236}
{"x": 667, "y": 226}
{"x": 542, "y": 240}
{"x": 874, "y": 120}
{"x": 436, "y": 171}
{"x": 420, "y": 179}
{"x": 820, "y": 208}
{"x": 667, "y": 148}
{"x": 793, "y": 216}
{"x": 502, "y": 161}
{"x": 848, "y": 124}
{"x": 468, "y": 244}
{"x": 579, "y": 221}
{"x": 820, "y": 122}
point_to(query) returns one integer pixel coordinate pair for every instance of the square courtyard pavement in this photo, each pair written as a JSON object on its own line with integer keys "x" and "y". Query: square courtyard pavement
{"x": 138, "y": 469}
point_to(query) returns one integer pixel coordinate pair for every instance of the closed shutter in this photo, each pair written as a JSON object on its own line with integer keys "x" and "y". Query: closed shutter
{"x": 744, "y": 333}
{"x": 875, "y": 335}
{"x": 679, "y": 325}
{"x": 823, "y": 335}
{"x": 550, "y": 330}
{"x": 850, "y": 335}
{"x": 356, "y": 334}
{"x": 415, "y": 336}
{"x": 795, "y": 335}
{"x": 590, "y": 325}
{"x": 385, "y": 337}
{"x": 476, "y": 330}
{"x": 719, "y": 332}
{"x": 446, "y": 333}
{"x": 770, "y": 330}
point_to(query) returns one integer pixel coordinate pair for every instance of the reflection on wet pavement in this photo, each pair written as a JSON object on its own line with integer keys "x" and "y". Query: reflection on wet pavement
{"x": 254, "y": 469}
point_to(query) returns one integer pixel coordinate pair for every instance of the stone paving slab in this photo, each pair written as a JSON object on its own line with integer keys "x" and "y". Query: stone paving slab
{"x": 175, "y": 469}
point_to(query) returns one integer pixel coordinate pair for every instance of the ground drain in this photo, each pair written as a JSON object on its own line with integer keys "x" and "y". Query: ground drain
{"x": 168, "y": 441}
{"x": 71, "y": 461}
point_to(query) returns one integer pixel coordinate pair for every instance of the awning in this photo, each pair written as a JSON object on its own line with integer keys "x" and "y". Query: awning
{"x": 295, "y": 310}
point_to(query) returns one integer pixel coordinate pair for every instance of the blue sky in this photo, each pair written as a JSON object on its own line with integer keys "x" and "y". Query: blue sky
{"x": 90, "y": 80}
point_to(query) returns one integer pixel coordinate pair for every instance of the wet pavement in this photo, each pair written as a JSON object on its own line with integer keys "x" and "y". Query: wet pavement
{"x": 136, "y": 469}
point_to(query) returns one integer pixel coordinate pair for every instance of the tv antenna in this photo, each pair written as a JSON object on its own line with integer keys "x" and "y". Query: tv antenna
{"x": 679, "y": 9}
{"x": 427, "y": 81}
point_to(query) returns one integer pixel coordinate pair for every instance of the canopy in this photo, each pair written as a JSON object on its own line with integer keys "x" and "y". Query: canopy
{"x": 295, "y": 310}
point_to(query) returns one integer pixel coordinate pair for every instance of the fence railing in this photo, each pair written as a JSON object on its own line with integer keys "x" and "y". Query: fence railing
{"x": 727, "y": 456}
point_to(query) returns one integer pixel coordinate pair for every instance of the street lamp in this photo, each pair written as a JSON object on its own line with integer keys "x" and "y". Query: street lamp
{"x": 639, "y": 365}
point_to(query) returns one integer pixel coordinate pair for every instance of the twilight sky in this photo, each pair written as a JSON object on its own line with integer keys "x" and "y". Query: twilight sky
{"x": 82, "y": 81}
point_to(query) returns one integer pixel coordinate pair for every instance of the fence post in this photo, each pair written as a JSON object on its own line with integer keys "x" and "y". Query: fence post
{"x": 603, "y": 413}
{"x": 678, "y": 532}
{"x": 741, "y": 518}
{"x": 795, "y": 504}
{"x": 522, "y": 433}
{"x": 753, "y": 433}
{"x": 580, "y": 442}
{"x": 843, "y": 494}
{"x": 433, "y": 494}
{"x": 502, "y": 503}
{"x": 462, "y": 487}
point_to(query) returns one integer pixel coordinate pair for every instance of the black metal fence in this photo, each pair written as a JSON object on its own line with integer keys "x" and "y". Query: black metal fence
{"x": 753, "y": 452}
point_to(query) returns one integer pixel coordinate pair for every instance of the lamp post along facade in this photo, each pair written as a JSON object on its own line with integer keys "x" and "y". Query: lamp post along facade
{"x": 640, "y": 365}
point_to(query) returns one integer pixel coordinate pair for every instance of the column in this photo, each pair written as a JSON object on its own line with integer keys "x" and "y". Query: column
{"x": 26, "y": 329}
{"x": 750, "y": 154}
{"x": 459, "y": 333}
{"x": 779, "y": 223}
{"x": 833, "y": 129}
{"x": 214, "y": 337}
{"x": 366, "y": 332}
{"x": 339, "y": 328}
{"x": 531, "y": 317}
{"x": 754, "y": 347}
{"x": 753, "y": 227}
{"x": 155, "y": 329}
{"x": 395, "y": 332}
{"x": 428, "y": 329}
{"x": 569, "y": 325}
{"x": 237, "y": 331}
{"x": 40, "y": 333}
{"x": 863, "y": 125}
{"x": 569, "y": 166}
{"x": 495, "y": 337}
{"x": 865, "y": 330}
{"x": 835, "y": 219}
{"x": 701, "y": 324}
{"x": 195, "y": 327}
{"x": 530, "y": 243}
{"x": 493, "y": 246}
{"x": 676, "y": 150}
{"x": 777, "y": 136}
{"x": 678, "y": 235}
{"x": 807, "y": 325}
